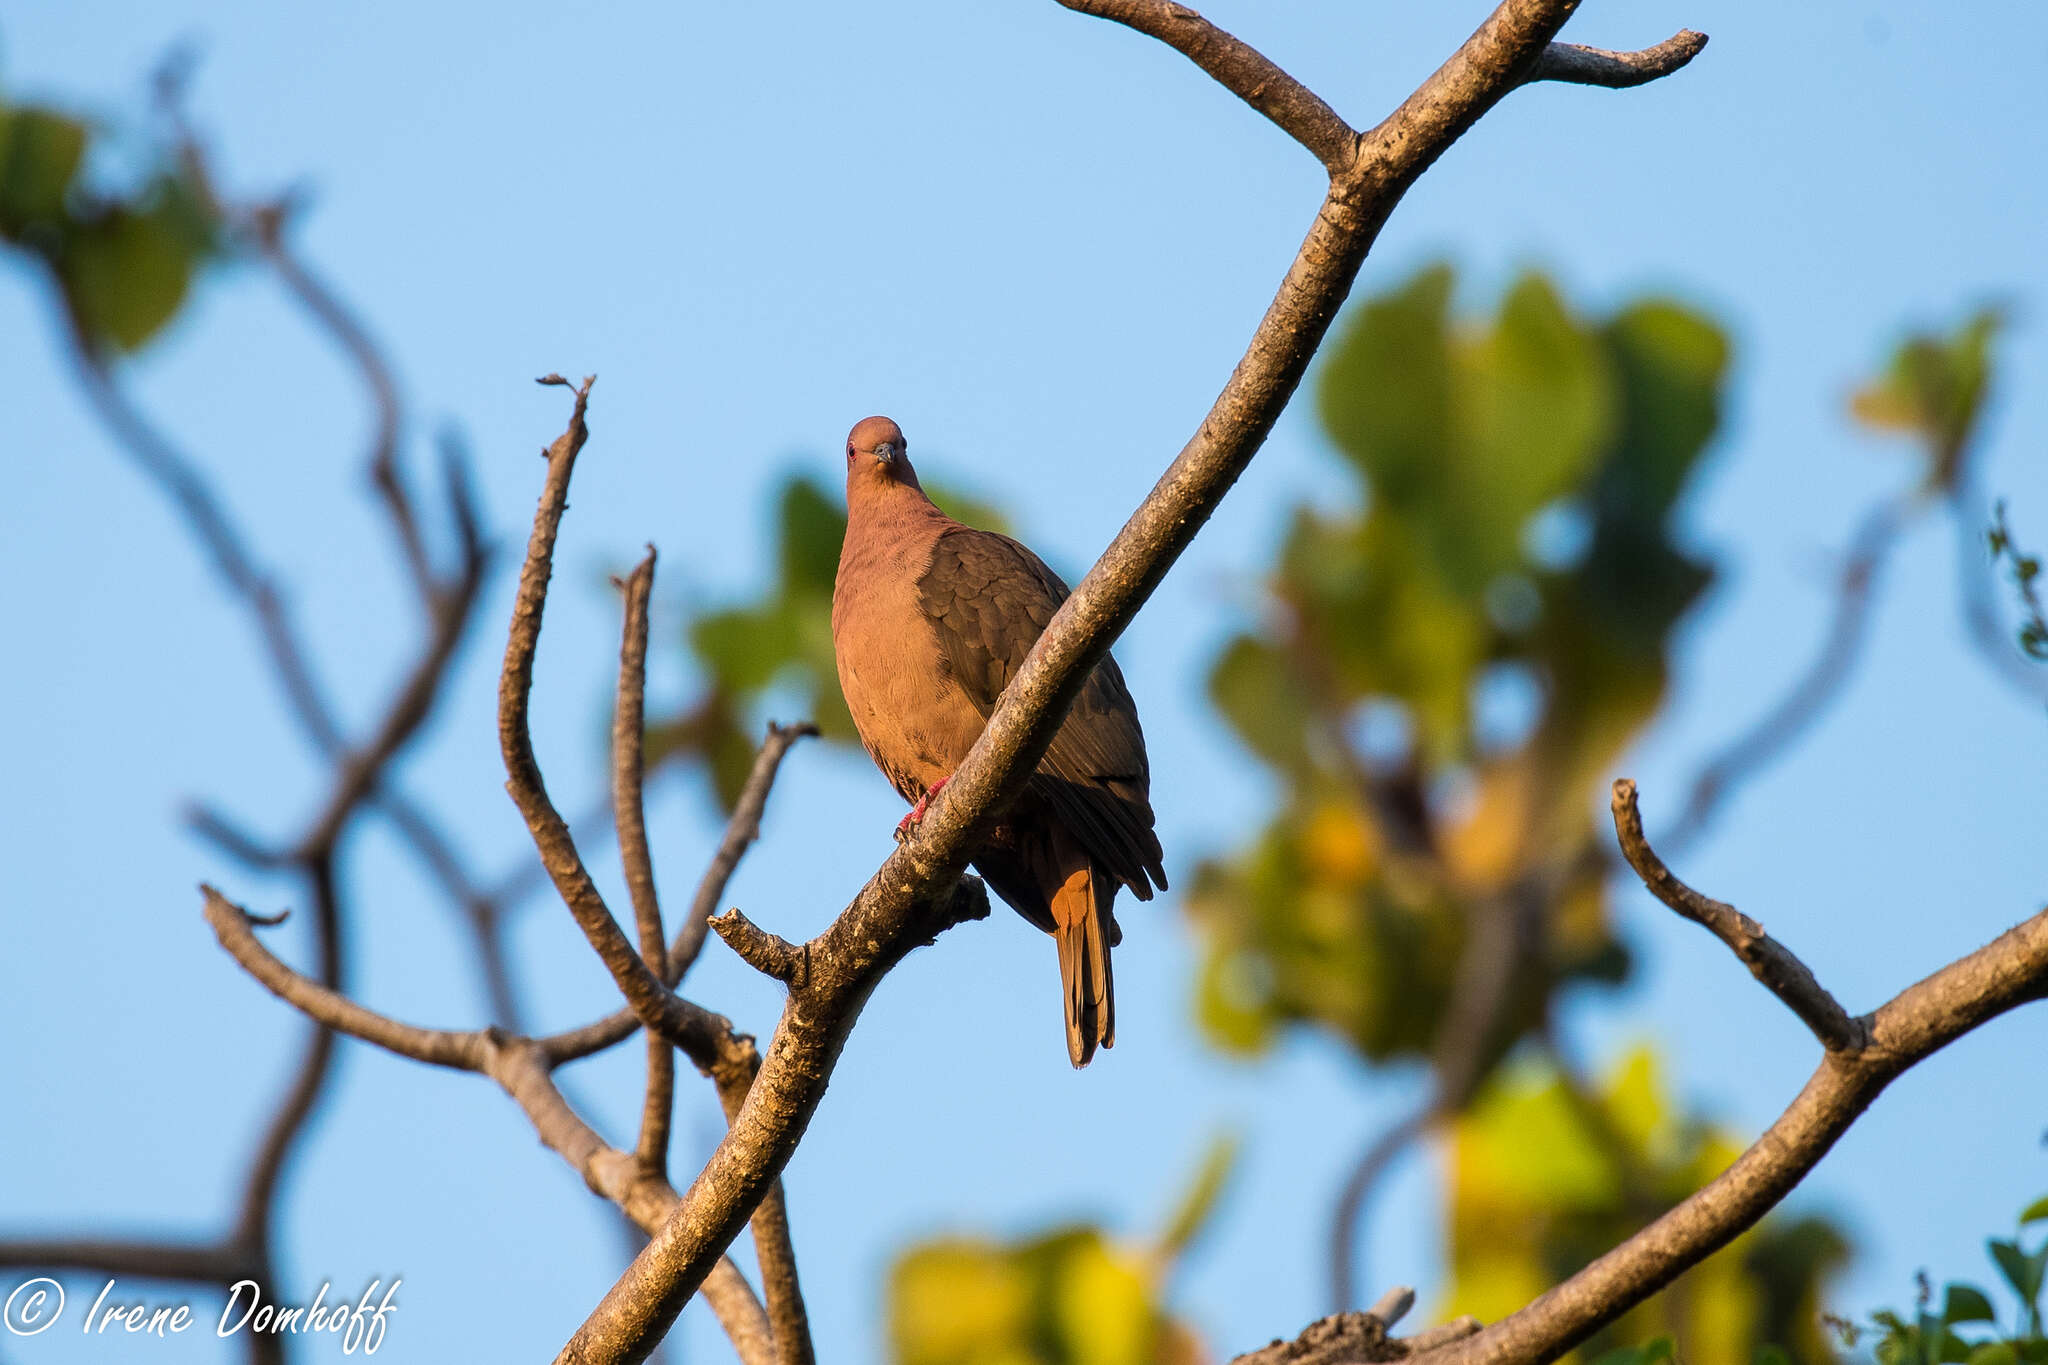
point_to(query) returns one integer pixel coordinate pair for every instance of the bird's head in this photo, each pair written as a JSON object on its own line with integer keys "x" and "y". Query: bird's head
{"x": 876, "y": 453}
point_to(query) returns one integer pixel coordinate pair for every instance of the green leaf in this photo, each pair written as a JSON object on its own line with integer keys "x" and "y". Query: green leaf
{"x": 1649, "y": 1353}
{"x": 2022, "y": 1272}
{"x": 1672, "y": 364}
{"x": 1257, "y": 693}
{"x": 2036, "y": 1212}
{"x": 1953, "y": 1349}
{"x": 40, "y": 152}
{"x": 1536, "y": 407}
{"x": 126, "y": 273}
{"x": 1966, "y": 1303}
{"x": 1994, "y": 1353}
{"x": 1933, "y": 388}
{"x": 812, "y": 527}
{"x": 745, "y": 649}
{"x": 1385, "y": 393}
{"x": 1770, "y": 1354}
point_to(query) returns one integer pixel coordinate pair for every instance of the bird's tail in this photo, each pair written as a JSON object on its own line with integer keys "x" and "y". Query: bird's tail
{"x": 1083, "y": 929}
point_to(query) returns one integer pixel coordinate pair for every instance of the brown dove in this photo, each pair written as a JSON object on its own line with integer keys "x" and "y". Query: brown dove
{"x": 930, "y": 620}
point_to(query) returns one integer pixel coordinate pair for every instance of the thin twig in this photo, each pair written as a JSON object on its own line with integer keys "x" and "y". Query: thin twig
{"x": 643, "y": 988}
{"x": 629, "y": 732}
{"x": 1769, "y": 961}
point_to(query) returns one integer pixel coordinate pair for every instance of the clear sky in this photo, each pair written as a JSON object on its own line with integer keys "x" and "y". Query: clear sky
{"x": 1040, "y": 242}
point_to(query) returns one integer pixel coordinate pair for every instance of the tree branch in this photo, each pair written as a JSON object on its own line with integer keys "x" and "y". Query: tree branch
{"x": 741, "y": 829}
{"x": 629, "y": 733}
{"x": 912, "y": 896}
{"x": 769, "y": 954}
{"x": 1239, "y": 68}
{"x": 520, "y": 1066}
{"x": 1769, "y": 961}
{"x": 1575, "y": 65}
{"x": 688, "y": 1026}
{"x": 2010, "y": 971}
{"x": 1366, "y": 1336}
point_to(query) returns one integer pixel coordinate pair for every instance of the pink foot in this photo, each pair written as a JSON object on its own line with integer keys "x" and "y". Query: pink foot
{"x": 910, "y": 821}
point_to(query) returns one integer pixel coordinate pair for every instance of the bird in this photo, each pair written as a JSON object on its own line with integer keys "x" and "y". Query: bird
{"x": 930, "y": 621}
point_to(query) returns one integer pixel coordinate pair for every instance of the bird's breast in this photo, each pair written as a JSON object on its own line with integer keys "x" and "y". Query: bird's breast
{"x": 913, "y": 719}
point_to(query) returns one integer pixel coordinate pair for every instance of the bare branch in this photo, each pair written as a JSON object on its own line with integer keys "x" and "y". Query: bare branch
{"x": 519, "y": 1065}
{"x": 769, "y": 954}
{"x": 1239, "y": 68}
{"x": 1457, "y": 1329}
{"x": 2010, "y": 971}
{"x": 629, "y": 732}
{"x": 1345, "y": 1338}
{"x": 1393, "y": 1305}
{"x": 1354, "y": 1197}
{"x": 644, "y": 990}
{"x": 1575, "y": 65}
{"x": 462, "y": 1051}
{"x": 196, "y": 1263}
{"x": 740, "y": 831}
{"x": 913, "y": 896}
{"x": 1769, "y": 961}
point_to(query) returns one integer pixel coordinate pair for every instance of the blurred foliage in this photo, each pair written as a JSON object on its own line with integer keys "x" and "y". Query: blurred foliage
{"x": 1546, "y": 1174}
{"x": 2026, "y": 573}
{"x": 1499, "y": 613}
{"x": 1925, "y": 1337}
{"x": 121, "y": 255}
{"x": 1933, "y": 390}
{"x": 781, "y": 640}
{"x": 1068, "y": 1297}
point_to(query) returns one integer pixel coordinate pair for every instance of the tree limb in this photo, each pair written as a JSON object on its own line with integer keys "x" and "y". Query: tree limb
{"x": 521, "y": 1067}
{"x": 1239, "y": 68}
{"x": 910, "y": 898}
{"x": 1769, "y": 961}
{"x": 2010, "y": 971}
{"x": 1575, "y": 65}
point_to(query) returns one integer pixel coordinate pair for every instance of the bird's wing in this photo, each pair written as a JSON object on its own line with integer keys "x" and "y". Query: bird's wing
{"x": 989, "y": 599}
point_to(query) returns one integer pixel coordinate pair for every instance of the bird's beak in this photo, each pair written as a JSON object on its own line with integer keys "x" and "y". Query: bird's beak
{"x": 886, "y": 453}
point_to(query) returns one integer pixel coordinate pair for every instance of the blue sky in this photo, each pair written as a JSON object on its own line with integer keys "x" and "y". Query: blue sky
{"x": 1040, "y": 242}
